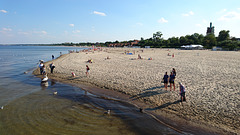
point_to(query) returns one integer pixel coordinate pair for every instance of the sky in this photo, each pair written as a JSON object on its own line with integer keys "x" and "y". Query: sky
{"x": 60, "y": 21}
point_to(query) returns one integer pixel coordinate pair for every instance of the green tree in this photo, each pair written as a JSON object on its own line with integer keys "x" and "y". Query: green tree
{"x": 190, "y": 39}
{"x": 209, "y": 41}
{"x": 183, "y": 40}
{"x": 174, "y": 42}
{"x": 157, "y": 36}
{"x": 223, "y": 35}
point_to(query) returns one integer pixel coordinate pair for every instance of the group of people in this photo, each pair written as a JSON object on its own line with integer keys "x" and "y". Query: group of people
{"x": 170, "y": 79}
{"x": 43, "y": 68}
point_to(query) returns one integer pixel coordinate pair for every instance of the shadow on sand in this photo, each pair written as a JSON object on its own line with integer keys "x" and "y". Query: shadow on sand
{"x": 149, "y": 92}
{"x": 163, "y": 106}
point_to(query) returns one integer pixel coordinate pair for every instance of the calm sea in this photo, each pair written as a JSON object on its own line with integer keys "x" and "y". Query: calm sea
{"x": 31, "y": 108}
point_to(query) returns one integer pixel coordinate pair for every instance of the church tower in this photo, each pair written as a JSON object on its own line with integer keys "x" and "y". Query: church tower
{"x": 210, "y": 30}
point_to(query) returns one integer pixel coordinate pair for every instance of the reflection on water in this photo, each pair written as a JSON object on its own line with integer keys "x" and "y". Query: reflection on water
{"x": 44, "y": 85}
{"x": 74, "y": 111}
{"x": 41, "y": 114}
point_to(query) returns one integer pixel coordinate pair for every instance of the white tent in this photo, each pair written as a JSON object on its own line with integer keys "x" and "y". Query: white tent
{"x": 191, "y": 47}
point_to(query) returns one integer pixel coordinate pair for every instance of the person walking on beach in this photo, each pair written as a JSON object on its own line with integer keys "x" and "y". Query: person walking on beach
{"x": 87, "y": 70}
{"x": 174, "y": 72}
{"x": 52, "y": 66}
{"x": 165, "y": 80}
{"x": 171, "y": 80}
{"x": 52, "y": 56}
{"x": 182, "y": 92}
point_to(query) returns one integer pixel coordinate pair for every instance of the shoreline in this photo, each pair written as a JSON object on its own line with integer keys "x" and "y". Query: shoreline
{"x": 140, "y": 98}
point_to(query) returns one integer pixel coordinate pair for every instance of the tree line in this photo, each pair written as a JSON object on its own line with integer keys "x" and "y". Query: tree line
{"x": 156, "y": 41}
{"x": 223, "y": 40}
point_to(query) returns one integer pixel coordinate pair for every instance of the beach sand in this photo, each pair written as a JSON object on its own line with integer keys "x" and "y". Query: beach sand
{"x": 212, "y": 81}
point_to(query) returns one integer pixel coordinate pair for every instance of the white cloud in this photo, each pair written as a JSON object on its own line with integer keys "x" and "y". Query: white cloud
{"x": 191, "y": 13}
{"x": 162, "y": 20}
{"x": 23, "y": 33}
{"x": 76, "y": 31}
{"x": 188, "y": 14}
{"x": 40, "y": 32}
{"x": 99, "y": 13}
{"x": 72, "y": 25}
{"x": 205, "y": 21}
{"x": 43, "y": 32}
{"x": 230, "y": 16}
{"x": 224, "y": 10}
{"x": 6, "y": 29}
{"x": 3, "y": 11}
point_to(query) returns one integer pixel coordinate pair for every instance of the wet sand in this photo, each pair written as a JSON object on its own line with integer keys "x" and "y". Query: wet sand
{"x": 211, "y": 98}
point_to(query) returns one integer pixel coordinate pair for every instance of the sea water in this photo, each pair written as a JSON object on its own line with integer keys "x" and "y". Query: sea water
{"x": 31, "y": 108}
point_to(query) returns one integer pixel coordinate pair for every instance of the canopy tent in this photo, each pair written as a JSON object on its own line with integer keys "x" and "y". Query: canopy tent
{"x": 192, "y": 46}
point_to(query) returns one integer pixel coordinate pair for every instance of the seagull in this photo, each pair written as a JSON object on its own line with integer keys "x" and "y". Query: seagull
{"x": 55, "y": 93}
{"x": 108, "y": 112}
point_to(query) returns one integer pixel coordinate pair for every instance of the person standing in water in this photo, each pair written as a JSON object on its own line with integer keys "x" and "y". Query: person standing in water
{"x": 52, "y": 56}
{"x": 41, "y": 67}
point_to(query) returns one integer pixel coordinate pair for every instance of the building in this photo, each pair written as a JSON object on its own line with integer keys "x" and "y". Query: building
{"x": 129, "y": 44}
{"x": 210, "y": 30}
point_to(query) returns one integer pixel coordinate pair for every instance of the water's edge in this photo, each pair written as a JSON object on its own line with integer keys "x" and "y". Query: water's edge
{"x": 176, "y": 123}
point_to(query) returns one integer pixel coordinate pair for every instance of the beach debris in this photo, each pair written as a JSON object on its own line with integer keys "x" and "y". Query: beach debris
{"x": 55, "y": 93}
{"x": 73, "y": 74}
{"x": 1, "y": 108}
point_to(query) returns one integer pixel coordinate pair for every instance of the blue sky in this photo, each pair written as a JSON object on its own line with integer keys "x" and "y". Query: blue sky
{"x": 58, "y": 21}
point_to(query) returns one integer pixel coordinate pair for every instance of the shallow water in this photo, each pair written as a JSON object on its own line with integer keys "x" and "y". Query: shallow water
{"x": 30, "y": 107}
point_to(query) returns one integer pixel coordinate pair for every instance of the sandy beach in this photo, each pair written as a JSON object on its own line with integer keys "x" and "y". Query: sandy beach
{"x": 212, "y": 80}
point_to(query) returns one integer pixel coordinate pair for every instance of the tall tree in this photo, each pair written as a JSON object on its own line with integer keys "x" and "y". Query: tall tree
{"x": 183, "y": 40}
{"x": 209, "y": 41}
{"x": 223, "y": 35}
{"x": 157, "y": 36}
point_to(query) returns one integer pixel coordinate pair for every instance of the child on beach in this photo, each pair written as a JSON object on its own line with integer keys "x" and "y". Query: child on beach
{"x": 182, "y": 92}
{"x": 171, "y": 80}
{"x": 87, "y": 70}
{"x": 165, "y": 80}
